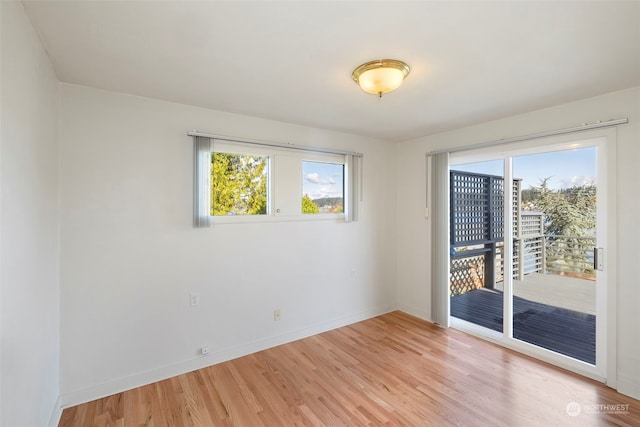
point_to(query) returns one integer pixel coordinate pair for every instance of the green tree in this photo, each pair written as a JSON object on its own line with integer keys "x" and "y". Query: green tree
{"x": 238, "y": 184}
{"x": 570, "y": 224}
{"x": 569, "y": 212}
{"x": 308, "y": 206}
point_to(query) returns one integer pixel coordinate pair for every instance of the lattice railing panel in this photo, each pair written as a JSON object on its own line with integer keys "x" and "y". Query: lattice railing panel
{"x": 477, "y": 218}
{"x": 476, "y": 208}
{"x": 497, "y": 212}
{"x": 466, "y": 274}
{"x": 515, "y": 205}
{"x": 532, "y": 224}
{"x": 470, "y": 214}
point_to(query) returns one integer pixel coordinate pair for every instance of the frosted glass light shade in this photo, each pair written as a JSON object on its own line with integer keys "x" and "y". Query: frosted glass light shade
{"x": 380, "y": 76}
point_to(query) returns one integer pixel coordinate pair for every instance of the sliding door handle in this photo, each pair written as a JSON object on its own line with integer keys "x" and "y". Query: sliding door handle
{"x": 598, "y": 259}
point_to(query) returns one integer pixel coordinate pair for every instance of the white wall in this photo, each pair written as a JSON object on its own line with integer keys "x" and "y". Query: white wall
{"x": 130, "y": 257}
{"x": 29, "y": 248}
{"x": 413, "y": 237}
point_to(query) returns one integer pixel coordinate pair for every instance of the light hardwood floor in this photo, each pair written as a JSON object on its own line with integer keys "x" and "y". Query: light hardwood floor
{"x": 391, "y": 370}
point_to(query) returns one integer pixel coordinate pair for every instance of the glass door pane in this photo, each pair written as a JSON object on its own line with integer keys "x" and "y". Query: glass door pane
{"x": 477, "y": 243}
{"x": 554, "y": 235}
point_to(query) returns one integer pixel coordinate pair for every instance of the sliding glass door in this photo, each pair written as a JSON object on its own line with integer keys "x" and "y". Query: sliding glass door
{"x": 526, "y": 250}
{"x": 555, "y": 236}
{"x": 477, "y": 243}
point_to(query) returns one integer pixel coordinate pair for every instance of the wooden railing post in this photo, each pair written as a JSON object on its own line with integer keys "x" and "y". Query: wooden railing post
{"x": 543, "y": 265}
{"x": 490, "y": 267}
{"x": 520, "y": 259}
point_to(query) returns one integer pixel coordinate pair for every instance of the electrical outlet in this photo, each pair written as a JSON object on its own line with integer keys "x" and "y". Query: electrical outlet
{"x": 276, "y": 314}
{"x": 194, "y": 299}
{"x": 204, "y": 350}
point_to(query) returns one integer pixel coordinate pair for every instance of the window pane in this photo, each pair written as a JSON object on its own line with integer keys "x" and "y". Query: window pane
{"x": 322, "y": 187}
{"x": 238, "y": 184}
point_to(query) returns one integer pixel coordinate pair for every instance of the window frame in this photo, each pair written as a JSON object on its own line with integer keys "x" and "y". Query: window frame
{"x": 244, "y": 150}
{"x": 276, "y": 170}
{"x": 332, "y": 159}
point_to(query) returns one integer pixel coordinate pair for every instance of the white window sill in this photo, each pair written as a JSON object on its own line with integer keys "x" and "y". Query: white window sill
{"x": 251, "y": 219}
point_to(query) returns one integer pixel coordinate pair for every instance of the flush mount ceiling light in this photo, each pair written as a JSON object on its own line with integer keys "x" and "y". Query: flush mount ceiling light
{"x": 380, "y": 76}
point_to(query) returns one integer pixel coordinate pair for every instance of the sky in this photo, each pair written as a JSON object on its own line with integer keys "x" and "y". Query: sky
{"x": 322, "y": 180}
{"x": 566, "y": 168}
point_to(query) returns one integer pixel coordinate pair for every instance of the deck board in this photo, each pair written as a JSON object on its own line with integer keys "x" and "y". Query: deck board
{"x": 560, "y": 291}
{"x": 564, "y": 331}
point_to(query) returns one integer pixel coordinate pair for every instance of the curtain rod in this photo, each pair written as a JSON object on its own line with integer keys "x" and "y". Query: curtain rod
{"x": 504, "y": 141}
{"x": 289, "y": 146}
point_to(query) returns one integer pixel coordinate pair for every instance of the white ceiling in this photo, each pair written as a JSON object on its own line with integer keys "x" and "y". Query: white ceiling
{"x": 292, "y": 61}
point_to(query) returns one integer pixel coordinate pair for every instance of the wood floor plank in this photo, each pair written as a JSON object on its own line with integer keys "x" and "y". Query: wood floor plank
{"x": 392, "y": 370}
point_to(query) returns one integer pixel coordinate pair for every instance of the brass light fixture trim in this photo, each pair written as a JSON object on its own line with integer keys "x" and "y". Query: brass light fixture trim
{"x": 380, "y": 76}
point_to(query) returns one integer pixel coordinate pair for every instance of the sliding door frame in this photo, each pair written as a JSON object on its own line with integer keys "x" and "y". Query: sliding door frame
{"x": 606, "y": 322}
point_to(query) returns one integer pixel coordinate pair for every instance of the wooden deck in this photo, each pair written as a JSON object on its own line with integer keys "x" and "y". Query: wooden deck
{"x": 559, "y": 291}
{"x": 558, "y": 329}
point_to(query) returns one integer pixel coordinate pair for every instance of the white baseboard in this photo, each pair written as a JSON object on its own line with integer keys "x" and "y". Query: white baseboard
{"x": 54, "y": 420}
{"x": 629, "y": 387}
{"x": 143, "y": 378}
{"x": 422, "y": 314}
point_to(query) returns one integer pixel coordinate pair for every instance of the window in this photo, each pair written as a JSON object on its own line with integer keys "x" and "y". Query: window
{"x": 322, "y": 187}
{"x": 239, "y": 184}
{"x": 237, "y": 181}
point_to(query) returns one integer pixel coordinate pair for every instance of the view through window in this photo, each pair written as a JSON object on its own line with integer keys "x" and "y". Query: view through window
{"x": 322, "y": 187}
{"x": 239, "y": 184}
{"x": 249, "y": 183}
